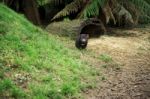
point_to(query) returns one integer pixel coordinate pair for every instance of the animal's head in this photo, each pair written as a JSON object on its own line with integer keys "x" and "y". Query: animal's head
{"x": 84, "y": 38}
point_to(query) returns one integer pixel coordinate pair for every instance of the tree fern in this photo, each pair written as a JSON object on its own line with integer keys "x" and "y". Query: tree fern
{"x": 89, "y": 8}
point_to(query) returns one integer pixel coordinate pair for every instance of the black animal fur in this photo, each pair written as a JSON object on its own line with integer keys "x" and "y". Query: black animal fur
{"x": 81, "y": 41}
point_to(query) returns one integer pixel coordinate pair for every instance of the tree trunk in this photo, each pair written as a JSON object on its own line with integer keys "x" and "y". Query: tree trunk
{"x": 31, "y": 11}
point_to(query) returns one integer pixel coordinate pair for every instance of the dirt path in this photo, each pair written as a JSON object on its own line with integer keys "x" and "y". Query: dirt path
{"x": 132, "y": 52}
{"x": 128, "y": 76}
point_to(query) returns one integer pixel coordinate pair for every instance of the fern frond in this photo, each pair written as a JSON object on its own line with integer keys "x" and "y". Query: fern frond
{"x": 142, "y": 5}
{"x": 56, "y": 2}
{"x": 107, "y": 11}
{"x": 92, "y": 9}
{"x": 70, "y": 8}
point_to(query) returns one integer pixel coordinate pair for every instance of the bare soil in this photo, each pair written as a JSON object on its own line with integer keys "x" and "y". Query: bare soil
{"x": 128, "y": 76}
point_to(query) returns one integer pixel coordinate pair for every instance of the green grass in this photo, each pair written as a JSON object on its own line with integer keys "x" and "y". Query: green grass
{"x": 8, "y": 89}
{"x": 55, "y": 71}
{"x": 106, "y": 58}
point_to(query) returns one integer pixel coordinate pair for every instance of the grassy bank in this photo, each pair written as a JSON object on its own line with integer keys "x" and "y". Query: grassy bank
{"x": 37, "y": 65}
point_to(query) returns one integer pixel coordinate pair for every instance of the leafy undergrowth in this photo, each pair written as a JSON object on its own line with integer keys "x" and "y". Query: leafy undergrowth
{"x": 37, "y": 65}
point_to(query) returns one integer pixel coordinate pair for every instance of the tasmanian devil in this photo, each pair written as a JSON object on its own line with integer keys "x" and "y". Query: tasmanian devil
{"x": 81, "y": 41}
